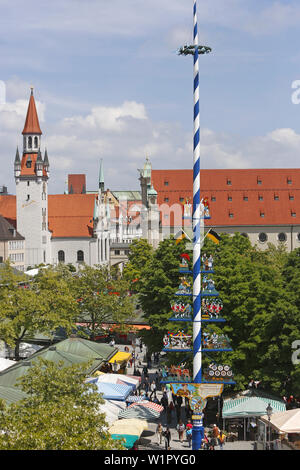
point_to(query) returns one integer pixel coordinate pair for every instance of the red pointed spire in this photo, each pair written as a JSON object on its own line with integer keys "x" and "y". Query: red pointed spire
{"x": 32, "y": 125}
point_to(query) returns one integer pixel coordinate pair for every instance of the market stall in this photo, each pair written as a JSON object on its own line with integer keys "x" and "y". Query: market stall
{"x": 245, "y": 410}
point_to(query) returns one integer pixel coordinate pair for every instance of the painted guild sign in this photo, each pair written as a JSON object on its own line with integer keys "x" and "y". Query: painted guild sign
{"x": 184, "y": 265}
{"x": 207, "y": 262}
{"x": 177, "y": 341}
{"x": 184, "y": 287}
{"x": 181, "y": 310}
{"x": 218, "y": 372}
{"x": 197, "y": 393}
{"x": 215, "y": 341}
{"x": 187, "y": 208}
{"x": 205, "y": 208}
{"x": 211, "y": 308}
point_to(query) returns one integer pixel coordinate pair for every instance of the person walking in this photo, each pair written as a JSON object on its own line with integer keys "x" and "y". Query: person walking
{"x": 221, "y": 439}
{"x": 169, "y": 412}
{"x": 205, "y": 442}
{"x": 159, "y": 433}
{"x": 215, "y": 435}
{"x": 178, "y": 408}
{"x": 164, "y": 402}
{"x": 152, "y": 389}
{"x": 180, "y": 430}
{"x": 167, "y": 437}
{"x": 189, "y": 434}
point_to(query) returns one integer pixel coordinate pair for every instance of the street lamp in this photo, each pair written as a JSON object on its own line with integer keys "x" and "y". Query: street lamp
{"x": 269, "y": 414}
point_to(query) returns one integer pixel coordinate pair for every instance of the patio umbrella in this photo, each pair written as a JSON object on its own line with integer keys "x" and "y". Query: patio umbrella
{"x": 129, "y": 426}
{"x": 148, "y": 404}
{"x": 129, "y": 439}
{"x": 134, "y": 398}
{"x": 142, "y": 410}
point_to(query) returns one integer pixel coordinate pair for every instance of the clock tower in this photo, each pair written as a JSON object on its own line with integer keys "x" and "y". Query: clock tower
{"x": 31, "y": 177}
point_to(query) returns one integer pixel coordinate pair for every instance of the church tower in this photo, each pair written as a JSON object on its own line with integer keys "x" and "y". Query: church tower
{"x": 31, "y": 177}
{"x": 102, "y": 221}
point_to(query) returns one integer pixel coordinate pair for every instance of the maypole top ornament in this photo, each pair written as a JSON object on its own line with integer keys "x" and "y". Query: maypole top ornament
{"x": 190, "y": 50}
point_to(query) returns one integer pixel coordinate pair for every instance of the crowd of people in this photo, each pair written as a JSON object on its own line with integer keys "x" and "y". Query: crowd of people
{"x": 176, "y": 418}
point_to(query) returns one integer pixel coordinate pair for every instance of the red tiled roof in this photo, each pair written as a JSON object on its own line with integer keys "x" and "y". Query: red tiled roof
{"x": 32, "y": 125}
{"x": 8, "y": 208}
{"x": 71, "y": 215}
{"x": 30, "y": 171}
{"x": 278, "y": 188}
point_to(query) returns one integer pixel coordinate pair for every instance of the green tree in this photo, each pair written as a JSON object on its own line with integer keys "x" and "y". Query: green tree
{"x": 159, "y": 280}
{"x": 258, "y": 309}
{"x": 60, "y": 412}
{"x": 40, "y": 305}
{"x": 140, "y": 253}
{"x": 102, "y": 298}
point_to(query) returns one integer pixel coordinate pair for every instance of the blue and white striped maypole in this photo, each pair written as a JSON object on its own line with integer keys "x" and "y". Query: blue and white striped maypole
{"x": 198, "y": 229}
{"x": 198, "y": 430}
{"x": 197, "y": 359}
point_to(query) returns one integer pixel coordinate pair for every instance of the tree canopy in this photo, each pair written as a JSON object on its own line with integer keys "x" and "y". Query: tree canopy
{"x": 260, "y": 291}
{"x": 60, "y": 412}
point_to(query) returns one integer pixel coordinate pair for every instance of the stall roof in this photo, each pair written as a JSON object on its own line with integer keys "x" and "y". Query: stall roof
{"x": 249, "y": 406}
{"x": 120, "y": 357}
{"x": 70, "y": 351}
{"x": 114, "y": 391}
{"x": 285, "y": 421}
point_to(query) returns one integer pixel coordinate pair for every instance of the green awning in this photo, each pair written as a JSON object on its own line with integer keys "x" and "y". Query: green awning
{"x": 250, "y": 406}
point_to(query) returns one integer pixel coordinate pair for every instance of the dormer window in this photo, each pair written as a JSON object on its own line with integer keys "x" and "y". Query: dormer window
{"x": 28, "y": 162}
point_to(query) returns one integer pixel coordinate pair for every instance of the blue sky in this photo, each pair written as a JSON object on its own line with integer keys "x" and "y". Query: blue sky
{"x": 109, "y": 84}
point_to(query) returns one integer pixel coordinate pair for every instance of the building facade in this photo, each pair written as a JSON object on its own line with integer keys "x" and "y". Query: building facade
{"x": 12, "y": 245}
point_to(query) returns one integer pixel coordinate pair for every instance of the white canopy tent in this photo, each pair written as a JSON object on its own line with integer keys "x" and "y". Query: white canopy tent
{"x": 111, "y": 409}
{"x": 285, "y": 422}
{"x": 114, "y": 378}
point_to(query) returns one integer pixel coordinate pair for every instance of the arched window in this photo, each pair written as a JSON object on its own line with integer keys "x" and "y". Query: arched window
{"x": 263, "y": 237}
{"x": 80, "y": 256}
{"x": 30, "y": 142}
{"x": 61, "y": 256}
{"x": 28, "y": 162}
{"x": 36, "y": 142}
{"x": 282, "y": 237}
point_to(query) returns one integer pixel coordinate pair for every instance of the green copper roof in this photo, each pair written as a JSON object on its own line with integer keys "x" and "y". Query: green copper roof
{"x": 70, "y": 351}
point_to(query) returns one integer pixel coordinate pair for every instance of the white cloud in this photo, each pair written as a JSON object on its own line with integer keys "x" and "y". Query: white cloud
{"x": 124, "y": 135}
{"x": 108, "y": 118}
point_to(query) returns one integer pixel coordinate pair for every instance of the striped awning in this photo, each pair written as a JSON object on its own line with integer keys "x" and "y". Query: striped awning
{"x": 148, "y": 404}
{"x": 134, "y": 399}
{"x": 250, "y": 406}
{"x": 142, "y": 410}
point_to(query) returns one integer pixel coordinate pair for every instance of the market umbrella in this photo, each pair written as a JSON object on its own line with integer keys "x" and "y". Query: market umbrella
{"x": 142, "y": 410}
{"x": 128, "y": 426}
{"x": 148, "y": 404}
{"x": 135, "y": 398}
{"x": 129, "y": 439}
{"x": 114, "y": 391}
{"x": 114, "y": 378}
